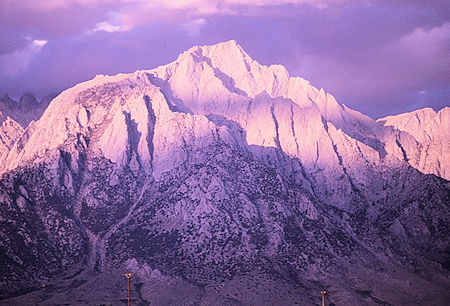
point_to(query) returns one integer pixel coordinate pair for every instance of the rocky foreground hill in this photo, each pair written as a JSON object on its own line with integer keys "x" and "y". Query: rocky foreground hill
{"x": 220, "y": 181}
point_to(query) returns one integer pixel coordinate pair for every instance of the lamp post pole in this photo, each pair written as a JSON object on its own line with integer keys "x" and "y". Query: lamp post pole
{"x": 128, "y": 276}
{"x": 323, "y": 292}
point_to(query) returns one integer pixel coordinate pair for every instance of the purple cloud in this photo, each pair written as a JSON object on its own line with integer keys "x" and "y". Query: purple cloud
{"x": 379, "y": 57}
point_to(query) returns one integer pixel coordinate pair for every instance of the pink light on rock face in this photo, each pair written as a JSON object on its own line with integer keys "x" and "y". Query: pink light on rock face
{"x": 215, "y": 179}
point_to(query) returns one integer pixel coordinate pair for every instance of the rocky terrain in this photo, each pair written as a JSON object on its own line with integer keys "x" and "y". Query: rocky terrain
{"x": 220, "y": 181}
{"x": 15, "y": 116}
{"x": 424, "y": 137}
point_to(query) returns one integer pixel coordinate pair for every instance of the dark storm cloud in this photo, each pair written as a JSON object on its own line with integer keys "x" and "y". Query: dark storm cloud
{"x": 379, "y": 57}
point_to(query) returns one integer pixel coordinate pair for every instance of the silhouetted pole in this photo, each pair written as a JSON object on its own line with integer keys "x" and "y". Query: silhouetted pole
{"x": 323, "y": 292}
{"x": 128, "y": 276}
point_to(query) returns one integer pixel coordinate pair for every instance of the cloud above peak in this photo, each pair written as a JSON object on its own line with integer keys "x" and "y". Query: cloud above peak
{"x": 374, "y": 56}
{"x": 16, "y": 63}
{"x": 107, "y": 27}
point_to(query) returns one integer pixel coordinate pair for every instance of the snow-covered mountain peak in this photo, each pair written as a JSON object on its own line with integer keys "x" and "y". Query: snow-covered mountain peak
{"x": 228, "y": 51}
{"x": 230, "y": 67}
{"x": 424, "y": 124}
{"x": 207, "y": 87}
{"x": 423, "y": 137}
{"x": 230, "y": 48}
{"x": 205, "y": 77}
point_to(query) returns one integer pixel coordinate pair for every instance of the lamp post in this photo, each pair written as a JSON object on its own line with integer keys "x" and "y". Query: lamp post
{"x": 323, "y": 292}
{"x": 128, "y": 276}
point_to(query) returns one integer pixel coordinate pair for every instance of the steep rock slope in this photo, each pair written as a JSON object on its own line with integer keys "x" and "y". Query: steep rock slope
{"x": 16, "y": 116}
{"x": 224, "y": 84}
{"x": 10, "y": 131}
{"x": 423, "y": 137}
{"x": 26, "y": 109}
{"x": 211, "y": 172}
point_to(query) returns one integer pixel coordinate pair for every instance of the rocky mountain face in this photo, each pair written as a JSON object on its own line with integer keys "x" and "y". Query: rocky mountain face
{"x": 25, "y": 110}
{"x": 424, "y": 139}
{"x": 15, "y": 116}
{"x": 218, "y": 180}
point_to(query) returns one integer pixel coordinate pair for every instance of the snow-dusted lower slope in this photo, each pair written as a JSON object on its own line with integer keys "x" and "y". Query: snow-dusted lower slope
{"x": 217, "y": 170}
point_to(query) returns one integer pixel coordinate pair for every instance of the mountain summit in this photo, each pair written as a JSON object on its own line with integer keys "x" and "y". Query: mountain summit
{"x": 228, "y": 181}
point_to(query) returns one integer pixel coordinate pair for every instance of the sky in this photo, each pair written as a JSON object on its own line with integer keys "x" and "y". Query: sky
{"x": 380, "y": 57}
